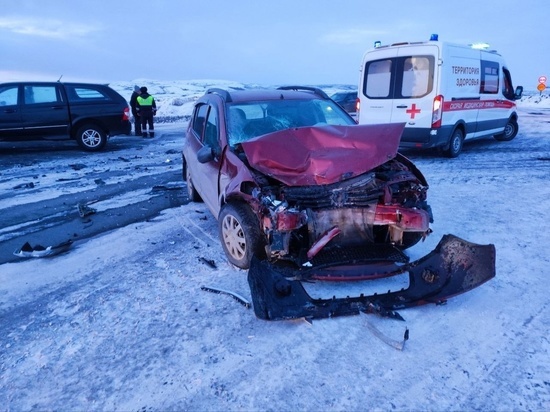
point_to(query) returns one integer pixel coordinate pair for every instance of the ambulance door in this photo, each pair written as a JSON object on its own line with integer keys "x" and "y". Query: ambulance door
{"x": 414, "y": 86}
{"x": 376, "y": 87}
{"x": 494, "y": 108}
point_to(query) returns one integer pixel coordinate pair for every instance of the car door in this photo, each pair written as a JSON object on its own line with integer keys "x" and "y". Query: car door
{"x": 44, "y": 112}
{"x": 205, "y": 176}
{"x": 10, "y": 115}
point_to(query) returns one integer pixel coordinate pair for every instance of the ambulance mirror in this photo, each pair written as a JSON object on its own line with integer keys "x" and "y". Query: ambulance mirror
{"x": 518, "y": 93}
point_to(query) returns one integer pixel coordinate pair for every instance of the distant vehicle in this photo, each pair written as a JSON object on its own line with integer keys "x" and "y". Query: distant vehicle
{"x": 445, "y": 93}
{"x": 348, "y": 101}
{"x": 291, "y": 176}
{"x": 87, "y": 113}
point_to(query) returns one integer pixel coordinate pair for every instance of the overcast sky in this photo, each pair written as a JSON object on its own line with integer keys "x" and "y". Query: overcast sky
{"x": 266, "y": 42}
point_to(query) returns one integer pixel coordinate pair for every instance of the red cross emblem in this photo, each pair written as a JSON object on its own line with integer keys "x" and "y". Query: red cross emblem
{"x": 413, "y": 110}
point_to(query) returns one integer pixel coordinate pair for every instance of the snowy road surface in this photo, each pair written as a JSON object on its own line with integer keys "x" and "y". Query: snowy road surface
{"x": 120, "y": 321}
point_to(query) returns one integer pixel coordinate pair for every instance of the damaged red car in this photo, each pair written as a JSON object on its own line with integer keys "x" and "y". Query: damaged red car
{"x": 297, "y": 185}
{"x": 290, "y": 176}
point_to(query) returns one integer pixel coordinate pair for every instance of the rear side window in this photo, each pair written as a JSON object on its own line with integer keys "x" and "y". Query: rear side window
{"x": 489, "y": 77}
{"x": 40, "y": 94}
{"x": 86, "y": 94}
{"x": 399, "y": 77}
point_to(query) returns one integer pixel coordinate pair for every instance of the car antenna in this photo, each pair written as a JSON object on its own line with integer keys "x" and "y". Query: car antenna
{"x": 58, "y": 80}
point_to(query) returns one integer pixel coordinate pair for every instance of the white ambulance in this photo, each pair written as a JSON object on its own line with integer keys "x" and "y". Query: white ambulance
{"x": 444, "y": 93}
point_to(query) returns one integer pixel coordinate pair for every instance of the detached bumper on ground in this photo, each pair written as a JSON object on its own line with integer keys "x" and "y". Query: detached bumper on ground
{"x": 455, "y": 266}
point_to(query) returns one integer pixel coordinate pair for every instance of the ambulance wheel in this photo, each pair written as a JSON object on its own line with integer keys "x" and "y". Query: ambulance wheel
{"x": 455, "y": 145}
{"x": 510, "y": 131}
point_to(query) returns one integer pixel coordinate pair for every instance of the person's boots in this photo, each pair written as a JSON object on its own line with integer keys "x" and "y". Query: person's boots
{"x": 151, "y": 134}
{"x": 144, "y": 134}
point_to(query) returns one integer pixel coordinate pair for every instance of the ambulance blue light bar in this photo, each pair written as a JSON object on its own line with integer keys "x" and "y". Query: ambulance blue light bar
{"x": 434, "y": 37}
{"x": 377, "y": 44}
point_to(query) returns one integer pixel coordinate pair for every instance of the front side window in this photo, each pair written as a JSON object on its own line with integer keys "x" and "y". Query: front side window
{"x": 211, "y": 131}
{"x": 507, "y": 87}
{"x": 489, "y": 77}
{"x": 199, "y": 120}
{"x": 8, "y": 96}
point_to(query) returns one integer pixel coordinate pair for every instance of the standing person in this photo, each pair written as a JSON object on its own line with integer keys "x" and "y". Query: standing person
{"x": 147, "y": 108}
{"x": 133, "y": 105}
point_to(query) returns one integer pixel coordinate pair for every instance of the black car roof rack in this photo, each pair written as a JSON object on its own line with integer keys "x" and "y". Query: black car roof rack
{"x": 315, "y": 90}
{"x": 224, "y": 94}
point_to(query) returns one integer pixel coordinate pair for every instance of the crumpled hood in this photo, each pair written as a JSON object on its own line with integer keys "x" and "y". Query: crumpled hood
{"x": 323, "y": 155}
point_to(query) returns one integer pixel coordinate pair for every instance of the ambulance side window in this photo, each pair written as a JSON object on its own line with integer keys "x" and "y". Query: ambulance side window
{"x": 489, "y": 77}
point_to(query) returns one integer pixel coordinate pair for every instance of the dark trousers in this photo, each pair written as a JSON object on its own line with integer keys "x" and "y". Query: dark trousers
{"x": 147, "y": 119}
{"x": 137, "y": 123}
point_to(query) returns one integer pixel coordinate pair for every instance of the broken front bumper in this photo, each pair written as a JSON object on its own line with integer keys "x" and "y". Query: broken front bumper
{"x": 455, "y": 266}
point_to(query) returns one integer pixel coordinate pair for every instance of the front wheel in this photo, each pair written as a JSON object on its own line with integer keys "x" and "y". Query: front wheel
{"x": 455, "y": 145}
{"x": 510, "y": 131}
{"x": 240, "y": 234}
{"x": 91, "y": 138}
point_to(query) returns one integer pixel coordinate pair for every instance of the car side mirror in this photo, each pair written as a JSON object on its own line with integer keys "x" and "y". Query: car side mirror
{"x": 205, "y": 154}
{"x": 518, "y": 93}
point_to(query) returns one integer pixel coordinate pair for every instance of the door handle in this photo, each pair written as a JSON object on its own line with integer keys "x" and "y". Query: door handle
{"x": 401, "y": 106}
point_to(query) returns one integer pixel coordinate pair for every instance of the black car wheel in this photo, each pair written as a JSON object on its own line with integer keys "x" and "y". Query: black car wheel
{"x": 240, "y": 234}
{"x": 91, "y": 138}
{"x": 455, "y": 145}
{"x": 510, "y": 131}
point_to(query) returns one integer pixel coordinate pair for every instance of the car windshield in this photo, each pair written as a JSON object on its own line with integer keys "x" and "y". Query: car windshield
{"x": 251, "y": 119}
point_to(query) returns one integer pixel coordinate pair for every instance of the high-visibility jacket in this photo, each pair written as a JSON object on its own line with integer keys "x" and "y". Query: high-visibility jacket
{"x": 146, "y": 103}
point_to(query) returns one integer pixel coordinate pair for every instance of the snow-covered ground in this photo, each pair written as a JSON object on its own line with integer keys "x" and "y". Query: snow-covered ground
{"x": 120, "y": 321}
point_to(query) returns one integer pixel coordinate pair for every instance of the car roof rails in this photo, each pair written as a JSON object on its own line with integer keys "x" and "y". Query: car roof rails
{"x": 315, "y": 90}
{"x": 224, "y": 94}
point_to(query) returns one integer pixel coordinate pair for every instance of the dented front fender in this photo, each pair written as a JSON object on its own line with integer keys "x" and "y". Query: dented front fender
{"x": 455, "y": 266}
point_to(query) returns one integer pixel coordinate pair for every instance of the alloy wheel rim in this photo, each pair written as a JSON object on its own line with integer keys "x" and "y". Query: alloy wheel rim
{"x": 233, "y": 237}
{"x": 91, "y": 138}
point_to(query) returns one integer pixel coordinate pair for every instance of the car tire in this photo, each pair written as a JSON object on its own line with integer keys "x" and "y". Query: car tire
{"x": 510, "y": 131}
{"x": 191, "y": 191}
{"x": 240, "y": 234}
{"x": 91, "y": 138}
{"x": 456, "y": 143}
